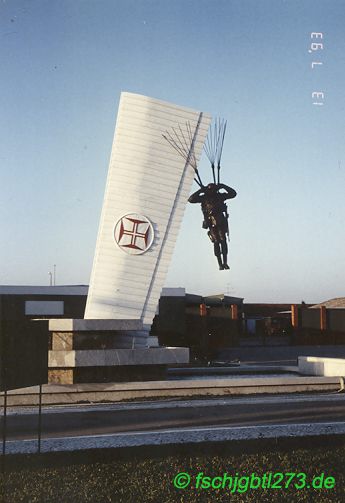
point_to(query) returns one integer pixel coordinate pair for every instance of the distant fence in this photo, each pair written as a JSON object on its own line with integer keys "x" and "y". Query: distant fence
{"x": 309, "y": 318}
{"x": 318, "y": 325}
{"x": 336, "y": 319}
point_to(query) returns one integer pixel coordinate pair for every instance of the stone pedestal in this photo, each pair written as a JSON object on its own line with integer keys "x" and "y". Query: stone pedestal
{"x": 106, "y": 351}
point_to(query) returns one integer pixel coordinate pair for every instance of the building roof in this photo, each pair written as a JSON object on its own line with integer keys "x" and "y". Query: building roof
{"x": 44, "y": 290}
{"x": 173, "y": 292}
{"x": 211, "y": 300}
{"x": 266, "y": 310}
{"x": 223, "y": 299}
{"x": 337, "y": 302}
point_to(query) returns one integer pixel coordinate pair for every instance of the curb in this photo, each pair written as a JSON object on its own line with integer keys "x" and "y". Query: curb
{"x": 175, "y": 436}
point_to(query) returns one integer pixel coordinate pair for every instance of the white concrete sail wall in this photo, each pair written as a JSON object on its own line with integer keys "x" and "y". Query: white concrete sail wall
{"x": 146, "y": 176}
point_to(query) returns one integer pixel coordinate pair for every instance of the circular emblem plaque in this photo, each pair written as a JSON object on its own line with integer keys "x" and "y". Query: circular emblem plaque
{"x": 134, "y": 233}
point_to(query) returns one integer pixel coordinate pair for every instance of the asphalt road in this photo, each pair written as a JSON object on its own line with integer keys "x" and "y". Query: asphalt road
{"x": 170, "y": 414}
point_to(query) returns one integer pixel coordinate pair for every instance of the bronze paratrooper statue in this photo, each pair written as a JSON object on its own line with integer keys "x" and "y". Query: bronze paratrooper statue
{"x": 212, "y": 200}
{"x": 215, "y": 217}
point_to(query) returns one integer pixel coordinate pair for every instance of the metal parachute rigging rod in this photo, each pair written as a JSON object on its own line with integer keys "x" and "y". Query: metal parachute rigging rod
{"x": 214, "y": 146}
{"x": 183, "y": 143}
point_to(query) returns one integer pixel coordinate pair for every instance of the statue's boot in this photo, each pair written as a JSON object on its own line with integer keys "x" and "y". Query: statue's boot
{"x": 218, "y": 254}
{"x": 225, "y": 255}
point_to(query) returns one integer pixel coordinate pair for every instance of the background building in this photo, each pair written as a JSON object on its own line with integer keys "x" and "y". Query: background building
{"x": 27, "y": 302}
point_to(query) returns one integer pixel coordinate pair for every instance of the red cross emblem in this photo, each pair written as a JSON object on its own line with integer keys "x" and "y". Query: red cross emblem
{"x": 134, "y": 233}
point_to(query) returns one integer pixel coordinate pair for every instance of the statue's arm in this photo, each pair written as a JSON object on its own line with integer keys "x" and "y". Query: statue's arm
{"x": 230, "y": 193}
{"x": 197, "y": 196}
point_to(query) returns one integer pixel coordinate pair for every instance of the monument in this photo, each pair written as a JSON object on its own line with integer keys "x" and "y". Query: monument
{"x": 146, "y": 193}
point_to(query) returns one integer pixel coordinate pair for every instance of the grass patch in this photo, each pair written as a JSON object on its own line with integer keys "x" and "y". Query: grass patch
{"x": 146, "y": 474}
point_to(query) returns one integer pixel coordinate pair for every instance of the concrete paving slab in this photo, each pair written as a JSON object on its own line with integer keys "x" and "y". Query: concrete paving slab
{"x": 227, "y": 386}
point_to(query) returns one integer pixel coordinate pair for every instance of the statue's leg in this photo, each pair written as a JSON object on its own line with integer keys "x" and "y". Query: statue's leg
{"x": 217, "y": 252}
{"x": 225, "y": 253}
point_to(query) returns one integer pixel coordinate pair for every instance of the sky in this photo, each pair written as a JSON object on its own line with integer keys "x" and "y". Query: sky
{"x": 64, "y": 64}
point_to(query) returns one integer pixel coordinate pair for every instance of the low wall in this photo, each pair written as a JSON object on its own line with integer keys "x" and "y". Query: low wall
{"x": 316, "y": 366}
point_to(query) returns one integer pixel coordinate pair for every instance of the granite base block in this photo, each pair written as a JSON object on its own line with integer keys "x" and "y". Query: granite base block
{"x": 68, "y": 341}
{"x": 81, "y": 325}
{"x": 110, "y": 357}
{"x": 106, "y": 351}
{"x": 77, "y": 334}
